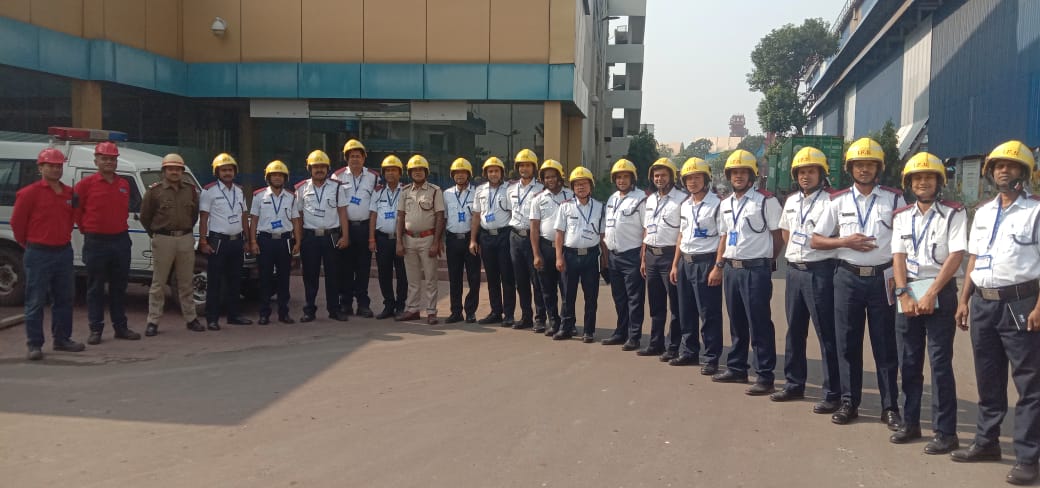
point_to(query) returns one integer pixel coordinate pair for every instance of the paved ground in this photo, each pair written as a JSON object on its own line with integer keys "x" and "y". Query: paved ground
{"x": 384, "y": 404}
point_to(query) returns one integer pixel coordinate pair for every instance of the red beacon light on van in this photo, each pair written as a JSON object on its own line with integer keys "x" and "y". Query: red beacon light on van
{"x": 86, "y": 135}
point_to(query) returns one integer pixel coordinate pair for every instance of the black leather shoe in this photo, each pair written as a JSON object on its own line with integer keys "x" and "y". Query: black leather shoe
{"x": 1022, "y": 474}
{"x": 825, "y": 407}
{"x": 213, "y": 326}
{"x": 385, "y": 314}
{"x": 892, "y": 419}
{"x": 194, "y": 326}
{"x": 684, "y": 361}
{"x": 846, "y": 413}
{"x": 508, "y": 322}
{"x": 976, "y": 453}
{"x": 264, "y": 320}
{"x": 523, "y": 324}
{"x": 630, "y": 346}
{"x": 551, "y": 332}
{"x": 453, "y": 319}
{"x": 239, "y": 321}
{"x": 786, "y": 395}
{"x": 490, "y": 319}
{"x": 760, "y": 389}
{"x": 35, "y": 353}
{"x": 709, "y": 369}
{"x": 151, "y": 330}
{"x": 588, "y": 339}
{"x": 563, "y": 335}
{"x": 730, "y": 376}
{"x": 538, "y": 329}
{"x": 306, "y": 318}
{"x": 942, "y": 444}
{"x": 94, "y": 338}
{"x": 906, "y": 433}
{"x": 339, "y": 317}
{"x": 539, "y": 324}
{"x": 471, "y": 319}
{"x": 285, "y": 319}
{"x": 69, "y": 346}
{"x": 613, "y": 341}
{"x": 668, "y": 356}
{"x": 127, "y": 334}
{"x": 364, "y": 312}
{"x": 650, "y": 351}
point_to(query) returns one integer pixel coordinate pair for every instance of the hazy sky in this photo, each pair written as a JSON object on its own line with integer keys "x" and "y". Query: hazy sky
{"x": 697, "y": 56}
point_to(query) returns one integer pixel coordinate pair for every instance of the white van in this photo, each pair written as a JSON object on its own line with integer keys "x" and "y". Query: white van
{"x": 141, "y": 169}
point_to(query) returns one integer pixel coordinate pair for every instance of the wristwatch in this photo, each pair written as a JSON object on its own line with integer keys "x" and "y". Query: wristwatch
{"x": 901, "y": 291}
{"x": 720, "y": 264}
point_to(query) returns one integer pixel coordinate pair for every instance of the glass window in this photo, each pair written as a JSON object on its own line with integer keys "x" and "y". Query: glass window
{"x": 31, "y": 101}
{"x": 15, "y": 174}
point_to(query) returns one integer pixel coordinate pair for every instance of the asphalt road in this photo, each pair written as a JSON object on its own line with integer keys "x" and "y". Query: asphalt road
{"x": 384, "y": 404}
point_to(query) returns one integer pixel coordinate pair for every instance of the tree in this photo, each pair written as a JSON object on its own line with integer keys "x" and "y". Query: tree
{"x": 890, "y": 143}
{"x": 699, "y": 149}
{"x": 752, "y": 144}
{"x": 782, "y": 60}
{"x": 642, "y": 151}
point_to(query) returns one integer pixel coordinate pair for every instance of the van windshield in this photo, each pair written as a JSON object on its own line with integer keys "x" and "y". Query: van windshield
{"x": 151, "y": 177}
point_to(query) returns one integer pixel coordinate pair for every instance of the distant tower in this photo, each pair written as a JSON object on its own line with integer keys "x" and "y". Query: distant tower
{"x": 736, "y": 126}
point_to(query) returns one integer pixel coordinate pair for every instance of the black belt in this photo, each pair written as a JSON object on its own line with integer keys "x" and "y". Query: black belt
{"x": 105, "y": 237}
{"x": 749, "y": 263}
{"x": 826, "y": 264}
{"x": 1028, "y": 289}
{"x": 583, "y": 251}
{"x": 708, "y": 257}
{"x": 227, "y": 237}
{"x": 44, "y": 247}
{"x": 660, "y": 251}
{"x": 386, "y": 235}
{"x": 616, "y": 252}
{"x": 521, "y": 232}
{"x": 865, "y": 271}
{"x": 320, "y": 232}
{"x": 546, "y": 241}
{"x": 171, "y": 233}
{"x": 355, "y": 223}
{"x": 272, "y": 235}
{"x": 459, "y": 235}
{"x": 495, "y": 232}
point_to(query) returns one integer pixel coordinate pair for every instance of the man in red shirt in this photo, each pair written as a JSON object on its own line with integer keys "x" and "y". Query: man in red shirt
{"x": 42, "y": 224}
{"x": 101, "y": 214}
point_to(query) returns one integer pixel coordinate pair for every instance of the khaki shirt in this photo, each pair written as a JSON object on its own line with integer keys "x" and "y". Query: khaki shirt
{"x": 420, "y": 205}
{"x": 169, "y": 207}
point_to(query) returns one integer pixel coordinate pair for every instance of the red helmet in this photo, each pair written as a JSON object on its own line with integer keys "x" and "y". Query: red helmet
{"x": 50, "y": 156}
{"x": 106, "y": 149}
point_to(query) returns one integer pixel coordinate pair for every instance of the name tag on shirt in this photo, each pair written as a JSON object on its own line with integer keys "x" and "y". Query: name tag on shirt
{"x": 234, "y": 219}
{"x": 489, "y": 217}
{"x": 391, "y": 215}
{"x": 984, "y": 262}
{"x": 276, "y": 224}
{"x": 588, "y": 234}
{"x": 651, "y": 229}
{"x": 800, "y": 239}
{"x": 355, "y": 200}
{"x": 732, "y": 238}
{"x": 700, "y": 233}
{"x": 610, "y": 223}
{"x": 912, "y": 267}
{"x": 462, "y": 217}
{"x": 318, "y": 212}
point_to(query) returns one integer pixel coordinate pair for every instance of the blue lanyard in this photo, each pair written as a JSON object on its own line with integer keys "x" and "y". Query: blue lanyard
{"x": 660, "y": 206}
{"x": 277, "y": 206}
{"x": 913, "y": 230}
{"x": 736, "y": 216}
{"x": 230, "y": 201}
{"x": 391, "y": 202}
{"x": 357, "y": 181}
{"x": 552, "y": 197}
{"x": 320, "y": 195}
{"x": 462, "y": 201}
{"x": 617, "y": 205}
{"x": 588, "y": 219}
{"x": 493, "y": 198}
{"x": 860, "y": 217}
{"x": 520, "y": 201}
{"x": 813, "y": 204}
{"x": 697, "y": 214}
{"x": 996, "y": 224}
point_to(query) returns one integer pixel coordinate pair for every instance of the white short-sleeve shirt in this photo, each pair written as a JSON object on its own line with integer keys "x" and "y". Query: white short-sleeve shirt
{"x": 799, "y": 218}
{"x": 273, "y": 212}
{"x": 319, "y": 205}
{"x": 624, "y": 220}
{"x": 662, "y": 218}
{"x": 699, "y": 225}
{"x": 851, "y": 212}
{"x": 384, "y": 205}
{"x": 1010, "y": 254}
{"x": 225, "y": 207}
{"x": 582, "y": 225}
{"x": 746, "y": 224}
{"x": 544, "y": 209}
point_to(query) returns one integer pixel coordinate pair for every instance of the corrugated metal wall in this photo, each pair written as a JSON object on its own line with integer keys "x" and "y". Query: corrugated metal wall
{"x": 880, "y": 97}
{"x": 917, "y": 72}
{"x": 832, "y": 120}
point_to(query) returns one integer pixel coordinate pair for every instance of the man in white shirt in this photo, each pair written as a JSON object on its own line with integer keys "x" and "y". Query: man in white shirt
{"x": 521, "y": 193}
{"x": 489, "y": 238}
{"x": 274, "y": 240}
{"x": 359, "y": 183}
{"x": 458, "y": 214}
{"x": 382, "y": 235}
{"x": 321, "y": 211}
{"x": 662, "y": 232}
{"x": 543, "y": 235}
{"x": 222, "y": 214}
{"x": 580, "y": 254}
{"x": 623, "y": 237}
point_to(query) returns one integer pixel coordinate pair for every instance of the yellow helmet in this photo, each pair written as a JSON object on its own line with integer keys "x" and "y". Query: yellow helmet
{"x": 866, "y": 149}
{"x": 741, "y": 159}
{"x": 354, "y": 144}
{"x": 492, "y": 162}
{"x": 461, "y": 164}
{"x": 662, "y": 163}
{"x": 224, "y": 159}
{"x": 317, "y": 156}
{"x": 391, "y": 161}
{"x": 622, "y": 166}
{"x": 418, "y": 161}
{"x": 809, "y": 156}
{"x": 276, "y": 166}
{"x": 580, "y": 173}
{"x": 694, "y": 166}
{"x": 1011, "y": 151}
{"x": 525, "y": 156}
{"x": 924, "y": 162}
{"x": 550, "y": 164}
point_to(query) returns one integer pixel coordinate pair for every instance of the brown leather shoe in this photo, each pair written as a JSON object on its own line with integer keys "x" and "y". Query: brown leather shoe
{"x": 431, "y": 319}
{"x": 407, "y": 316}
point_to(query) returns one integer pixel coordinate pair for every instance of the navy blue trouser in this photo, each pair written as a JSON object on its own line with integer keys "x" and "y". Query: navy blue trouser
{"x": 48, "y": 274}
{"x": 356, "y": 264}
{"x": 275, "y": 263}
{"x": 628, "y": 288}
{"x": 810, "y": 295}
{"x": 459, "y": 259}
{"x": 317, "y": 253}
{"x": 525, "y": 277}
{"x": 748, "y": 292}
{"x": 860, "y": 299}
{"x": 583, "y": 270}
{"x": 550, "y": 282}
{"x": 664, "y": 300}
{"x": 938, "y": 330}
{"x": 224, "y": 264}
{"x": 699, "y": 302}
{"x": 996, "y": 342}
{"x": 107, "y": 261}
{"x": 494, "y": 252}
{"x": 390, "y": 266}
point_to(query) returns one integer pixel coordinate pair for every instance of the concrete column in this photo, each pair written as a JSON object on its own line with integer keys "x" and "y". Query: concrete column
{"x": 86, "y": 104}
{"x": 574, "y": 140}
{"x": 245, "y": 156}
{"x": 554, "y": 133}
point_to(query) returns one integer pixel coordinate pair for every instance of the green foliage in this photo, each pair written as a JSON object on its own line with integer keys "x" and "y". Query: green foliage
{"x": 604, "y": 187}
{"x": 697, "y": 149}
{"x": 752, "y": 144}
{"x": 782, "y": 111}
{"x": 642, "y": 151}
{"x": 890, "y": 143}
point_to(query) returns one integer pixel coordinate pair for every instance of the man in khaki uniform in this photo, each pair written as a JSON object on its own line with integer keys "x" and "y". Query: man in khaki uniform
{"x": 420, "y": 226}
{"x": 169, "y": 211}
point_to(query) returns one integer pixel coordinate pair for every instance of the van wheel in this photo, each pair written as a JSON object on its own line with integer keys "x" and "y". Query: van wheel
{"x": 198, "y": 287}
{"x": 12, "y": 277}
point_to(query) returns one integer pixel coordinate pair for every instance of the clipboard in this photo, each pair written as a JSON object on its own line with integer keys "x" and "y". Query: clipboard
{"x": 917, "y": 289}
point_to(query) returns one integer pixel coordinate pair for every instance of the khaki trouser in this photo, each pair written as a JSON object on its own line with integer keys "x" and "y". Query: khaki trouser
{"x": 176, "y": 254}
{"x": 421, "y": 269}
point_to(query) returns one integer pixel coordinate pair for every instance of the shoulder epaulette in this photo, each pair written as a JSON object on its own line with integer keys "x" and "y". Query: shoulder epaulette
{"x": 647, "y": 193}
{"x": 153, "y": 185}
{"x": 1034, "y": 197}
{"x": 952, "y": 204}
{"x": 301, "y": 183}
{"x": 902, "y": 209}
{"x": 210, "y": 185}
{"x": 435, "y": 187}
{"x": 984, "y": 202}
{"x": 259, "y": 191}
{"x": 543, "y": 190}
{"x": 765, "y": 193}
{"x": 374, "y": 172}
{"x": 840, "y": 193}
{"x": 897, "y": 191}
{"x": 830, "y": 191}
{"x": 378, "y": 187}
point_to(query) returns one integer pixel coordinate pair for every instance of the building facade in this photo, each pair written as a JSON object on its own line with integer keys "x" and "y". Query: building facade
{"x": 275, "y": 79}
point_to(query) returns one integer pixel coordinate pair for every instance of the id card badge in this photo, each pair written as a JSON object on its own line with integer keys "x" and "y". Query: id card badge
{"x": 984, "y": 262}
{"x": 391, "y": 215}
{"x": 912, "y": 267}
{"x": 355, "y": 200}
{"x": 800, "y": 239}
{"x": 234, "y": 219}
{"x": 276, "y": 224}
{"x": 732, "y": 238}
{"x": 588, "y": 234}
{"x": 462, "y": 217}
{"x": 700, "y": 233}
{"x": 489, "y": 217}
{"x": 610, "y": 223}
{"x": 651, "y": 229}
{"x": 318, "y": 212}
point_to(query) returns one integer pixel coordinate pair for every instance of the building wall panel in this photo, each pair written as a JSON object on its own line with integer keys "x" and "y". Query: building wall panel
{"x": 446, "y": 43}
{"x": 163, "y": 27}
{"x": 520, "y": 31}
{"x": 125, "y": 22}
{"x": 271, "y": 31}
{"x": 395, "y": 31}
{"x": 200, "y": 45}
{"x": 17, "y": 9}
{"x": 880, "y": 97}
{"x": 335, "y": 31}
{"x": 917, "y": 73}
{"x": 60, "y": 15}
{"x": 563, "y": 23}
